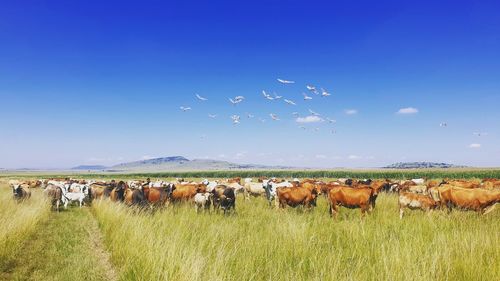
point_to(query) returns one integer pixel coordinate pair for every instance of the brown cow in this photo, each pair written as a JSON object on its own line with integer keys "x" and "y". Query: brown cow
{"x": 295, "y": 196}
{"x": 133, "y": 197}
{"x": 186, "y": 192}
{"x": 414, "y": 201}
{"x": 157, "y": 196}
{"x": 350, "y": 197}
{"x": 464, "y": 183}
{"x": 490, "y": 183}
{"x": 117, "y": 194}
{"x": 477, "y": 199}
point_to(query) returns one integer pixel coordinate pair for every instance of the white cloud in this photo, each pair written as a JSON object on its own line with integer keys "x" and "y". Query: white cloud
{"x": 221, "y": 156}
{"x": 407, "y": 110}
{"x": 475, "y": 145}
{"x": 353, "y": 157}
{"x": 308, "y": 119}
{"x": 320, "y": 156}
{"x": 351, "y": 111}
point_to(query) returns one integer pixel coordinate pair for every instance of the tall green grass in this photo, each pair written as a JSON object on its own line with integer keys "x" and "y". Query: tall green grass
{"x": 455, "y": 173}
{"x": 259, "y": 243}
{"x": 18, "y": 220}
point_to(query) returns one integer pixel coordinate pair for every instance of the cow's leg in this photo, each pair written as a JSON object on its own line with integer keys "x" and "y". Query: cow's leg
{"x": 401, "y": 211}
{"x": 334, "y": 210}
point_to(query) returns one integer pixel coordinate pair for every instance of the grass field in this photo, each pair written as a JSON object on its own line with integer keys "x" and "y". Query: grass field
{"x": 110, "y": 241}
{"x": 18, "y": 221}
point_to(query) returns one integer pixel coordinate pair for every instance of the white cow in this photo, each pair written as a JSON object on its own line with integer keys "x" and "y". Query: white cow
{"x": 254, "y": 188}
{"x": 210, "y": 184}
{"x": 68, "y": 197}
{"x": 202, "y": 201}
{"x": 418, "y": 181}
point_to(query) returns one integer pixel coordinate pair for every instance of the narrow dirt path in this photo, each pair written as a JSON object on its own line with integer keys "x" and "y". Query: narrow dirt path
{"x": 66, "y": 247}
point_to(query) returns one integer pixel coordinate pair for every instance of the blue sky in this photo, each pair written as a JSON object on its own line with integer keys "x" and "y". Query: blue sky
{"x": 102, "y": 83}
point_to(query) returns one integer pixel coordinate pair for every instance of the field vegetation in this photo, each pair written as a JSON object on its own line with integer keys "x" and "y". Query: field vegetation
{"x": 258, "y": 243}
{"x": 110, "y": 241}
{"x": 452, "y": 173}
{"x": 18, "y": 221}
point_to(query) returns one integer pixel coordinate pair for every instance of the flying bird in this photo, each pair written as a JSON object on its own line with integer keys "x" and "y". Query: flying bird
{"x": 295, "y": 114}
{"x": 324, "y": 93}
{"x": 290, "y": 102}
{"x": 311, "y": 88}
{"x": 314, "y": 113}
{"x": 444, "y": 124}
{"x": 274, "y": 117}
{"x": 276, "y": 97}
{"x": 237, "y": 100}
{"x": 266, "y": 95}
{"x": 306, "y": 97}
{"x": 282, "y": 81}
{"x": 331, "y": 120}
{"x": 302, "y": 127}
{"x": 201, "y": 98}
{"x": 212, "y": 115}
{"x": 185, "y": 108}
{"x": 249, "y": 115}
{"x": 236, "y": 119}
{"x": 480, "y": 134}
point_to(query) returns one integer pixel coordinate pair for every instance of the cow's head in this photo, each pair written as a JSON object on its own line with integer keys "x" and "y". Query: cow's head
{"x": 170, "y": 189}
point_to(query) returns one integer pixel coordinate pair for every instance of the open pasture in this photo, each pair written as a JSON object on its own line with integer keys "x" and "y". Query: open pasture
{"x": 262, "y": 243}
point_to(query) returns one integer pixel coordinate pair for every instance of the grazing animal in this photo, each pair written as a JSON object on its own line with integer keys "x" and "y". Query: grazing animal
{"x": 133, "y": 197}
{"x": 414, "y": 201}
{"x": 202, "y": 201}
{"x": 254, "y": 188}
{"x": 20, "y": 193}
{"x": 54, "y": 193}
{"x": 69, "y": 197}
{"x": 186, "y": 192}
{"x": 118, "y": 193}
{"x": 156, "y": 196}
{"x": 349, "y": 197}
{"x": 295, "y": 196}
{"x": 224, "y": 198}
{"x": 270, "y": 191}
{"x": 477, "y": 199}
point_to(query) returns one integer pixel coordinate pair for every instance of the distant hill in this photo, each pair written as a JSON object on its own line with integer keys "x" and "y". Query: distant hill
{"x": 421, "y": 165}
{"x": 179, "y": 163}
{"x": 89, "y": 167}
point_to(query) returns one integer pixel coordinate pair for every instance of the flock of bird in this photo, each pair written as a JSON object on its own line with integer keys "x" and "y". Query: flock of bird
{"x": 236, "y": 119}
{"x": 313, "y": 91}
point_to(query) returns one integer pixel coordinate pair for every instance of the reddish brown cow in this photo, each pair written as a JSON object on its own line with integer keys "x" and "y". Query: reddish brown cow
{"x": 156, "y": 196}
{"x": 477, "y": 199}
{"x": 490, "y": 183}
{"x": 186, "y": 192}
{"x": 350, "y": 197}
{"x": 464, "y": 183}
{"x": 295, "y": 196}
{"x": 133, "y": 197}
{"x": 234, "y": 180}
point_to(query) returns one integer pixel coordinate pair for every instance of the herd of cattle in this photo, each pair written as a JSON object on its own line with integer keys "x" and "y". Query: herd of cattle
{"x": 480, "y": 196}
